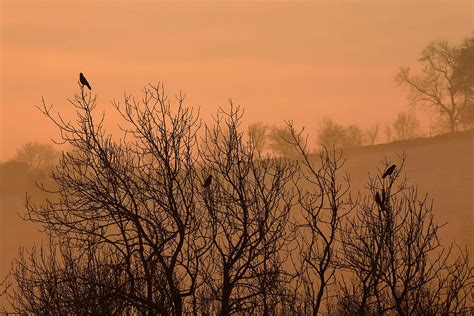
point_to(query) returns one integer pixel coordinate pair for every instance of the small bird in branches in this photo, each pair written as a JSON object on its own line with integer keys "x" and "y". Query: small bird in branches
{"x": 379, "y": 200}
{"x": 208, "y": 181}
{"x": 84, "y": 81}
{"x": 389, "y": 171}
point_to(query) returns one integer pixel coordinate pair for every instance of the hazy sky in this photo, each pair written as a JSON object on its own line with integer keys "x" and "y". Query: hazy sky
{"x": 279, "y": 60}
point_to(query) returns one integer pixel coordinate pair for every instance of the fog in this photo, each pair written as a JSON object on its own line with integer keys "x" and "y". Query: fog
{"x": 310, "y": 63}
{"x": 279, "y": 60}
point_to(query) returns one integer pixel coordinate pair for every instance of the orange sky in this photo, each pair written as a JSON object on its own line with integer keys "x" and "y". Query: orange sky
{"x": 280, "y": 60}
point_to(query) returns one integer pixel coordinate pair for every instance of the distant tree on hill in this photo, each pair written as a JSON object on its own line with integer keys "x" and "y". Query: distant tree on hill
{"x": 463, "y": 77}
{"x": 37, "y": 155}
{"x": 445, "y": 82}
{"x": 334, "y": 134}
{"x": 464, "y": 80}
{"x": 388, "y": 133}
{"x": 406, "y": 126}
{"x": 372, "y": 133}
{"x": 354, "y": 136}
{"x": 258, "y": 136}
{"x": 331, "y": 133}
{"x": 278, "y": 141}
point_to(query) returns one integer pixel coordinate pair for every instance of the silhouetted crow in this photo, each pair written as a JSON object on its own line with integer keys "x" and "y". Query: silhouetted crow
{"x": 208, "y": 181}
{"x": 83, "y": 81}
{"x": 389, "y": 171}
{"x": 379, "y": 200}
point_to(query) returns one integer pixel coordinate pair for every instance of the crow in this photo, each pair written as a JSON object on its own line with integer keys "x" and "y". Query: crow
{"x": 83, "y": 81}
{"x": 379, "y": 200}
{"x": 389, "y": 171}
{"x": 208, "y": 181}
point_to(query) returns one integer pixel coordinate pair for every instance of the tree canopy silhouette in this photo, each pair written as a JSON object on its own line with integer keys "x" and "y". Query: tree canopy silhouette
{"x": 132, "y": 230}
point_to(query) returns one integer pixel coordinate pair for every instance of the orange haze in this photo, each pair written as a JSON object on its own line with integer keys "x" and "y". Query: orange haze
{"x": 280, "y": 60}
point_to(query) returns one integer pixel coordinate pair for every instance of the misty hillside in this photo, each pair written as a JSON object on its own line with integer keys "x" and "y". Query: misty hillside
{"x": 16, "y": 179}
{"x": 441, "y": 166}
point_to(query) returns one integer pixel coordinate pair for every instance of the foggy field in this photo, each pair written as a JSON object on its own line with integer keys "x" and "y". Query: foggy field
{"x": 441, "y": 166}
{"x": 236, "y": 157}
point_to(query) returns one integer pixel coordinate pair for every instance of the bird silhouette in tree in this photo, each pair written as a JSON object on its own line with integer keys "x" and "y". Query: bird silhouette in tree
{"x": 84, "y": 81}
{"x": 379, "y": 201}
{"x": 389, "y": 171}
{"x": 208, "y": 181}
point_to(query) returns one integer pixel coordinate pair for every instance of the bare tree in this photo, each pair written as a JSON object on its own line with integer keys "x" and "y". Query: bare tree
{"x": 372, "y": 133}
{"x": 354, "y": 136}
{"x": 161, "y": 221}
{"x": 388, "y": 133}
{"x": 436, "y": 85}
{"x": 333, "y": 134}
{"x": 5, "y": 285}
{"x": 38, "y": 156}
{"x": 258, "y": 136}
{"x": 248, "y": 206}
{"x": 464, "y": 73}
{"x": 463, "y": 79}
{"x": 324, "y": 203}
{"x": 278, "y": 137}
{"x": 56, "y": 279}
{"x": 396, "y": 261}
{"x": 137, "y": 195}
{"x": 406, "y": 126}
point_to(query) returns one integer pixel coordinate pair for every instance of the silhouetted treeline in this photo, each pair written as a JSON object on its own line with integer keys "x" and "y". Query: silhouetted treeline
{"x": 273, "y": 139}
{"x": 139, "y": 227}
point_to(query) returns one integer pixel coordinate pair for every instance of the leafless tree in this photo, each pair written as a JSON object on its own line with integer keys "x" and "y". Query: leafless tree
{"x": 161, "y": 221}
{"x": 354, "y": 136}
{"x": 406, "y": 126}
{"x": 325, "y": 202}
{"x": 248, "y": 206}
{"x": 56, "y": 279}
{"x": 258, "y": 136}
{"x": 277, "y": 141}
{"x": 372, "y": 133}
{"x": 388, "y": 133}
{"x": 332, "y": 134}
{"x": 395, "y": 261}
{"x": 38, "y": 156}
{"x": 137, "y": 195}
{"x": 463, "y": 79}
{"x": 4, "y": 285}
{"x": 437, "y": 86}
{"x": 172, "y": 245}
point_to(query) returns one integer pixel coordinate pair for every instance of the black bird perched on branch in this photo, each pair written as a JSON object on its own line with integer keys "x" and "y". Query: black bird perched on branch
{"x": 84, "y": 81}
{"x": 389, "y": 171}
{"x": 208, "y": 181}
{"x": 379, "y": 201}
